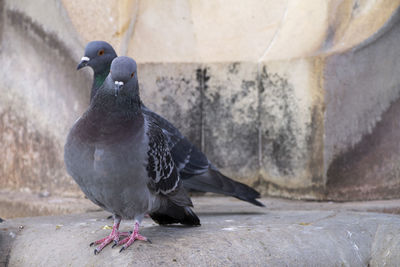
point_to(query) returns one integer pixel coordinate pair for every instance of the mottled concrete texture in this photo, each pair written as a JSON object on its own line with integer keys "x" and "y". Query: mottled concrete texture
{"x": 41, "y": 95}
{"x": 232, "y": 234}
{"x": 297, "y": 98}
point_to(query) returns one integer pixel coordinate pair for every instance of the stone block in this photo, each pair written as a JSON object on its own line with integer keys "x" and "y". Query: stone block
{"x": 172, "y": 90}
{"x": 230, "y": 118}
{"x": 291, "y": 128}
{"x": 362, "y": 89}
{"x": 289, "y": 237}
{"x": 41, "y": 97}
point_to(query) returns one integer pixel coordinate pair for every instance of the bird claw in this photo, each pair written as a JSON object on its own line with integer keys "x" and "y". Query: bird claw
{"x": 126, "y": 242}
{"x": 114, "y": 237}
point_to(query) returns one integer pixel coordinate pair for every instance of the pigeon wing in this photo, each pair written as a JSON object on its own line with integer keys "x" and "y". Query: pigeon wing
{"x": 163, "y": 174}
{"x": 188, "y": 159}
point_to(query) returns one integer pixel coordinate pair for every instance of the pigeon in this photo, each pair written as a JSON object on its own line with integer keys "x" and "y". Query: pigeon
{"x": 197, "y": 172}
{"x": 119, "y": 157}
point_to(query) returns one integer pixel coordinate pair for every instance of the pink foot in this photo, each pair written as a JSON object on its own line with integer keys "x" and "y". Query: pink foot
{"x": 134, "y": 236}
{"x": 114, "y": 236}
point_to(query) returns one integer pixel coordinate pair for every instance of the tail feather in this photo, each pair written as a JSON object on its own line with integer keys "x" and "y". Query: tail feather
{"x": 176, "y": 214}
{"x": 215, "y": 182}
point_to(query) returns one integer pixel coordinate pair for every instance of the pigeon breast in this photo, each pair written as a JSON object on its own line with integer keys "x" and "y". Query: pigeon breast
{"x": 111, "y": 172}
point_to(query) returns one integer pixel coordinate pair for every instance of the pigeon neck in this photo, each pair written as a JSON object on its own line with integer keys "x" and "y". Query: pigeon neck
{"x": 111, "y": 117}
{"x": 98, "y": 79}
{"x": 123, "y": 106}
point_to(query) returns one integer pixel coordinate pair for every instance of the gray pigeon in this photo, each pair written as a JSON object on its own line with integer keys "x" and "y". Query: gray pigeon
{"x": 196, "y": 171}
{"x": 119, "y": 157}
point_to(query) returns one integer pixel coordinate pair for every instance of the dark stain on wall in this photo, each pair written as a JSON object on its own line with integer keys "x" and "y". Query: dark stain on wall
{"x": 202, "y": 86}
{"x": 20, "y": 20}
{"x": 371, "y": 168}
{"x": 279, "y": 143}
{"x": 54, "y": 50}
{"x": 29, "y": 157}
{"x": 188, "y": 122}
{"x": 228, "y": 142}
{"x": 233, "y": 68}
{"x": 315, "y": 146}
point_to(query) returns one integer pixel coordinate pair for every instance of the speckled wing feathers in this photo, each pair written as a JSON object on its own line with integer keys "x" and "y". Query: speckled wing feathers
{"x": 188, "y": 159}
{"x": 160, "y": 167}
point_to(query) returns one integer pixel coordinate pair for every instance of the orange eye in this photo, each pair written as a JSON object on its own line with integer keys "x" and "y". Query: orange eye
{"x": 101, "y": 52}
{"x": 132, "y": 74}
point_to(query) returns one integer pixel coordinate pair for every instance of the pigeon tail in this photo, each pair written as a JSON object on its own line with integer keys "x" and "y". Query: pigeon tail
{"x": 215, "y": 182}
{"x": 176, "y": 214}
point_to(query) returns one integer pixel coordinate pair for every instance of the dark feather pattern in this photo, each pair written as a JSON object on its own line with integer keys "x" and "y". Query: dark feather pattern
{"x": 187, "y": 158}
{"x": 176, "y": 214}
{"x": 160, "y": 167}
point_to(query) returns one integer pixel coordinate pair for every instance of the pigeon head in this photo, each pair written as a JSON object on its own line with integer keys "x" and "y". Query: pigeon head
{"x": 123, "y": 73}
{"x": 98, "y": 55}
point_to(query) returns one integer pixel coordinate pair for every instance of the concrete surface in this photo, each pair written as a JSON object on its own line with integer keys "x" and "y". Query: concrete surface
{"x": 296, "y": 98}
{"x": 232, "y": 234}
{"x": 23, "y": 204}
{"x": 18, "y": 204}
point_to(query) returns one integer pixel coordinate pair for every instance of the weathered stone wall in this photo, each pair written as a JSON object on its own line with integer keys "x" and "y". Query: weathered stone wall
{"x": 41, "y": 95}
{"x": 361, "y": 131}
{"x": 297, "y": 98}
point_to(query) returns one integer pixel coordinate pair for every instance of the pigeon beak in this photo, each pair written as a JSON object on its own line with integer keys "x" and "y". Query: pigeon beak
{"x": 83, "y": 63}
{"x": 117, "y": 86}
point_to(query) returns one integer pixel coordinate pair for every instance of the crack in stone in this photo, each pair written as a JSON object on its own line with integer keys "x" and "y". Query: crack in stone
{"x": 275, "y": 34}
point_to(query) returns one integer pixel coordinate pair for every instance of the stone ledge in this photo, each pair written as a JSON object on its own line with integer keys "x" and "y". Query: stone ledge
{"x": 19, "y": 204}
{"x": 232, "y": 233}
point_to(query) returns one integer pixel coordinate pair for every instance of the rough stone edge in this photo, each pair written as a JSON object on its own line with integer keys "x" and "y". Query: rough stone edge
{"x": 6, "y": 244}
